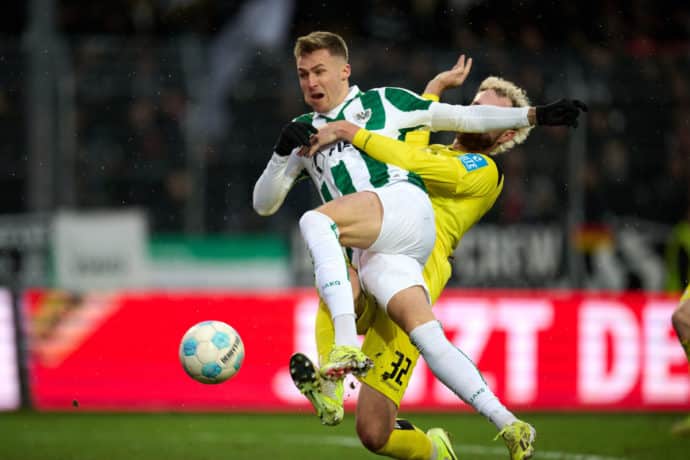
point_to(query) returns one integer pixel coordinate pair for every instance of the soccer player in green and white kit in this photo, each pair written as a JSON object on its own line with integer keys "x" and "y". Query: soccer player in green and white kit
{"x": 379, "y": 208}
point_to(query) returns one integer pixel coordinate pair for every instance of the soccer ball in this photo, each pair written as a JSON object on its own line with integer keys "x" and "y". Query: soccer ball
{"x": 211, "y": 352}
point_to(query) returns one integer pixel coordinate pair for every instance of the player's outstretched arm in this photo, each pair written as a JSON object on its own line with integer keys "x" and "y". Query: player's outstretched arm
{"x": 563, "y": 112}
{"x": 483, "y": 118}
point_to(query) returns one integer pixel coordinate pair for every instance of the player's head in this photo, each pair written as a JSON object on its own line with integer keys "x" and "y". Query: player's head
{"x": 323, "y": 69}
{"x": 503, "y": 93}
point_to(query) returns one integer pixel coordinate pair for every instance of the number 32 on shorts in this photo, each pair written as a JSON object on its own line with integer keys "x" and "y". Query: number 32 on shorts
{"x": 398, "y": 368}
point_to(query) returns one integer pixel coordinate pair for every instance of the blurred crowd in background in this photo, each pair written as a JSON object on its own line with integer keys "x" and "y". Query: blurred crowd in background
{"x": 177, "y": 103}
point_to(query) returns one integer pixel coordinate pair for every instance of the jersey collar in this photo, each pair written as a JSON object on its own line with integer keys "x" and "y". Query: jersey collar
{"x": 333, "y": 113}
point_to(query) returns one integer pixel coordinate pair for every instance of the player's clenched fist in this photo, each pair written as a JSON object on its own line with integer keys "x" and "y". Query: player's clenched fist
{"x": 294, "y": 134}
{"x": 563, "y": 112}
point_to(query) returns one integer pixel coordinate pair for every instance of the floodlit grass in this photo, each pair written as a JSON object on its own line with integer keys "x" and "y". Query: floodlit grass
{"x": 127, "y": 436}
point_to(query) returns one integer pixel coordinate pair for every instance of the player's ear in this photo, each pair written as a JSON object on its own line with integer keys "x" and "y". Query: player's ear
{"x": 345, "y": 74}
{"x": 507, "y": 135}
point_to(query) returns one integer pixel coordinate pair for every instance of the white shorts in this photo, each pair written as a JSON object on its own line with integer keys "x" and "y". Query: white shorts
{"x": 384, "y": 275}
{"x": 396, "y": 259}
{"x": 408, "y": 226}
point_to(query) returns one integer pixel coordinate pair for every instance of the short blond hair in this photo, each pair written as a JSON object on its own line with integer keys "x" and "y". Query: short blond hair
{"x": 518, "y": 98}
{"x": 321, "y": 40}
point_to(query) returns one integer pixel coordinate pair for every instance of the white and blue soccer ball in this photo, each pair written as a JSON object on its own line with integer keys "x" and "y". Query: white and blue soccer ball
{"x": 211, "y": 352}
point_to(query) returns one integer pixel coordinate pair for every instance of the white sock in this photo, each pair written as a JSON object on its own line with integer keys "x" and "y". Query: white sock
{"x": 345, "y": 327}
{"x": 320, "y": 234}
{"x": 458, "y": 372}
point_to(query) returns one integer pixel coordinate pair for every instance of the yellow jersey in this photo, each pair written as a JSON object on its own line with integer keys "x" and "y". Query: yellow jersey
{"x": 462, "y": 186}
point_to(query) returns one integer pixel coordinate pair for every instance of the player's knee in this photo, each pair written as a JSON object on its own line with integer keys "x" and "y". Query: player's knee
{"x": 372, "y": 436}
{"x": 410, "y": 307}
{"x": 314, "y": 224}
{"x": 681, "y": 316}
{"x": 309, "y": 220}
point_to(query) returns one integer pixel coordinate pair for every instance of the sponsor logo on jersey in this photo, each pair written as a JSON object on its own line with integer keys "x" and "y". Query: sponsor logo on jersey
{"x": 472, "y": 161}
{"x": 363, "y": 116}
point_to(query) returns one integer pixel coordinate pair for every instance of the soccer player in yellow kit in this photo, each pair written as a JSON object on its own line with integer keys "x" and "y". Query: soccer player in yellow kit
{"x": 463, "y": 187}
{"x": 681, "y": 323}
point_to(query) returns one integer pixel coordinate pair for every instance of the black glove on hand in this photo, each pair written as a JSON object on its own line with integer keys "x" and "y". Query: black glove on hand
{"x": 563, "y": 112}
{"x": 294, "y": 134}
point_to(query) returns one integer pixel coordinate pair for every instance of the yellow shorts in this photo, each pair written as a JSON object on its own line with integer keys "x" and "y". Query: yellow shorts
{"x": 389, "y": 346}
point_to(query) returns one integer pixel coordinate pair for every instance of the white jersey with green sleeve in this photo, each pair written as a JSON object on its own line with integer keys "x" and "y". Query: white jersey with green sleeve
{"x": 340, "y": 168}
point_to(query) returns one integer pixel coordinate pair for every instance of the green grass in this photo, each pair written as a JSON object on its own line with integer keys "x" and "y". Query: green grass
{"x": 126, "y": 436}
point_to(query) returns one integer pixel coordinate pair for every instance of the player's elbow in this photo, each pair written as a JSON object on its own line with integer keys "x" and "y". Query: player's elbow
{"x": 263, "y": 212}
{"x": 262, "y": 206}
{"x": 263, "y": 209}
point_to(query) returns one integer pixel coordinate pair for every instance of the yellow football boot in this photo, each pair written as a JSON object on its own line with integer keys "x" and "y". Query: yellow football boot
{"x": 325, "y": 396}
{"x": 344, "y": 359}
{"x": 444, "y": 448}
{"x": 519, "y": 437}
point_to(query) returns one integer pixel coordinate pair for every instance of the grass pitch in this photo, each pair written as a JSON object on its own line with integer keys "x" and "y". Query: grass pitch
{"x": 127, "y": 436}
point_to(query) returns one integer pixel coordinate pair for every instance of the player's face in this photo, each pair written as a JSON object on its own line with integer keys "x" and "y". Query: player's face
{"x": 324, "y": 79}
{"x": 483, "y": 142}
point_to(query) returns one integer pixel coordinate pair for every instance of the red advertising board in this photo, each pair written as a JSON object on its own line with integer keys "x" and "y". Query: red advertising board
{"x": 539, "y": 350}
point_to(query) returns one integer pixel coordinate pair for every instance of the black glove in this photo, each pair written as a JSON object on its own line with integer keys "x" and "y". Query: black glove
{"x": 294, "y": 134}
{"x": 563, "y": 112}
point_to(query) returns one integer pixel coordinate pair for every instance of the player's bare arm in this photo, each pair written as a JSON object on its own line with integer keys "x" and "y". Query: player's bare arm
{"x": 452, "y": 78}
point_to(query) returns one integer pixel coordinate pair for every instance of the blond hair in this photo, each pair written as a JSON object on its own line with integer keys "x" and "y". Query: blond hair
{"x": 518, "y": 98}
{"x": 321, "y": 40}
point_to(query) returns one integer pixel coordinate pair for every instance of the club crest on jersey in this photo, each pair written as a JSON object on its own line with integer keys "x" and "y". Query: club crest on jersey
{"x": 363, "y": 116}
{"x": 472, "y": 161}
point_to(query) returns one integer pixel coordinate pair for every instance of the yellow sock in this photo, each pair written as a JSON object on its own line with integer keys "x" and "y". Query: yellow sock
{"x": 407, "y": 442}
{"x": 324, "y": 332}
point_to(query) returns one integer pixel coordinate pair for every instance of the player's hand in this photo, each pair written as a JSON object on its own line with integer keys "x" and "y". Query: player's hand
{"x": 327, "y": 134}
{"x": 293, "y": 135}
{"x": 452, "y": 78}
{"x": 563, "y": 112}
